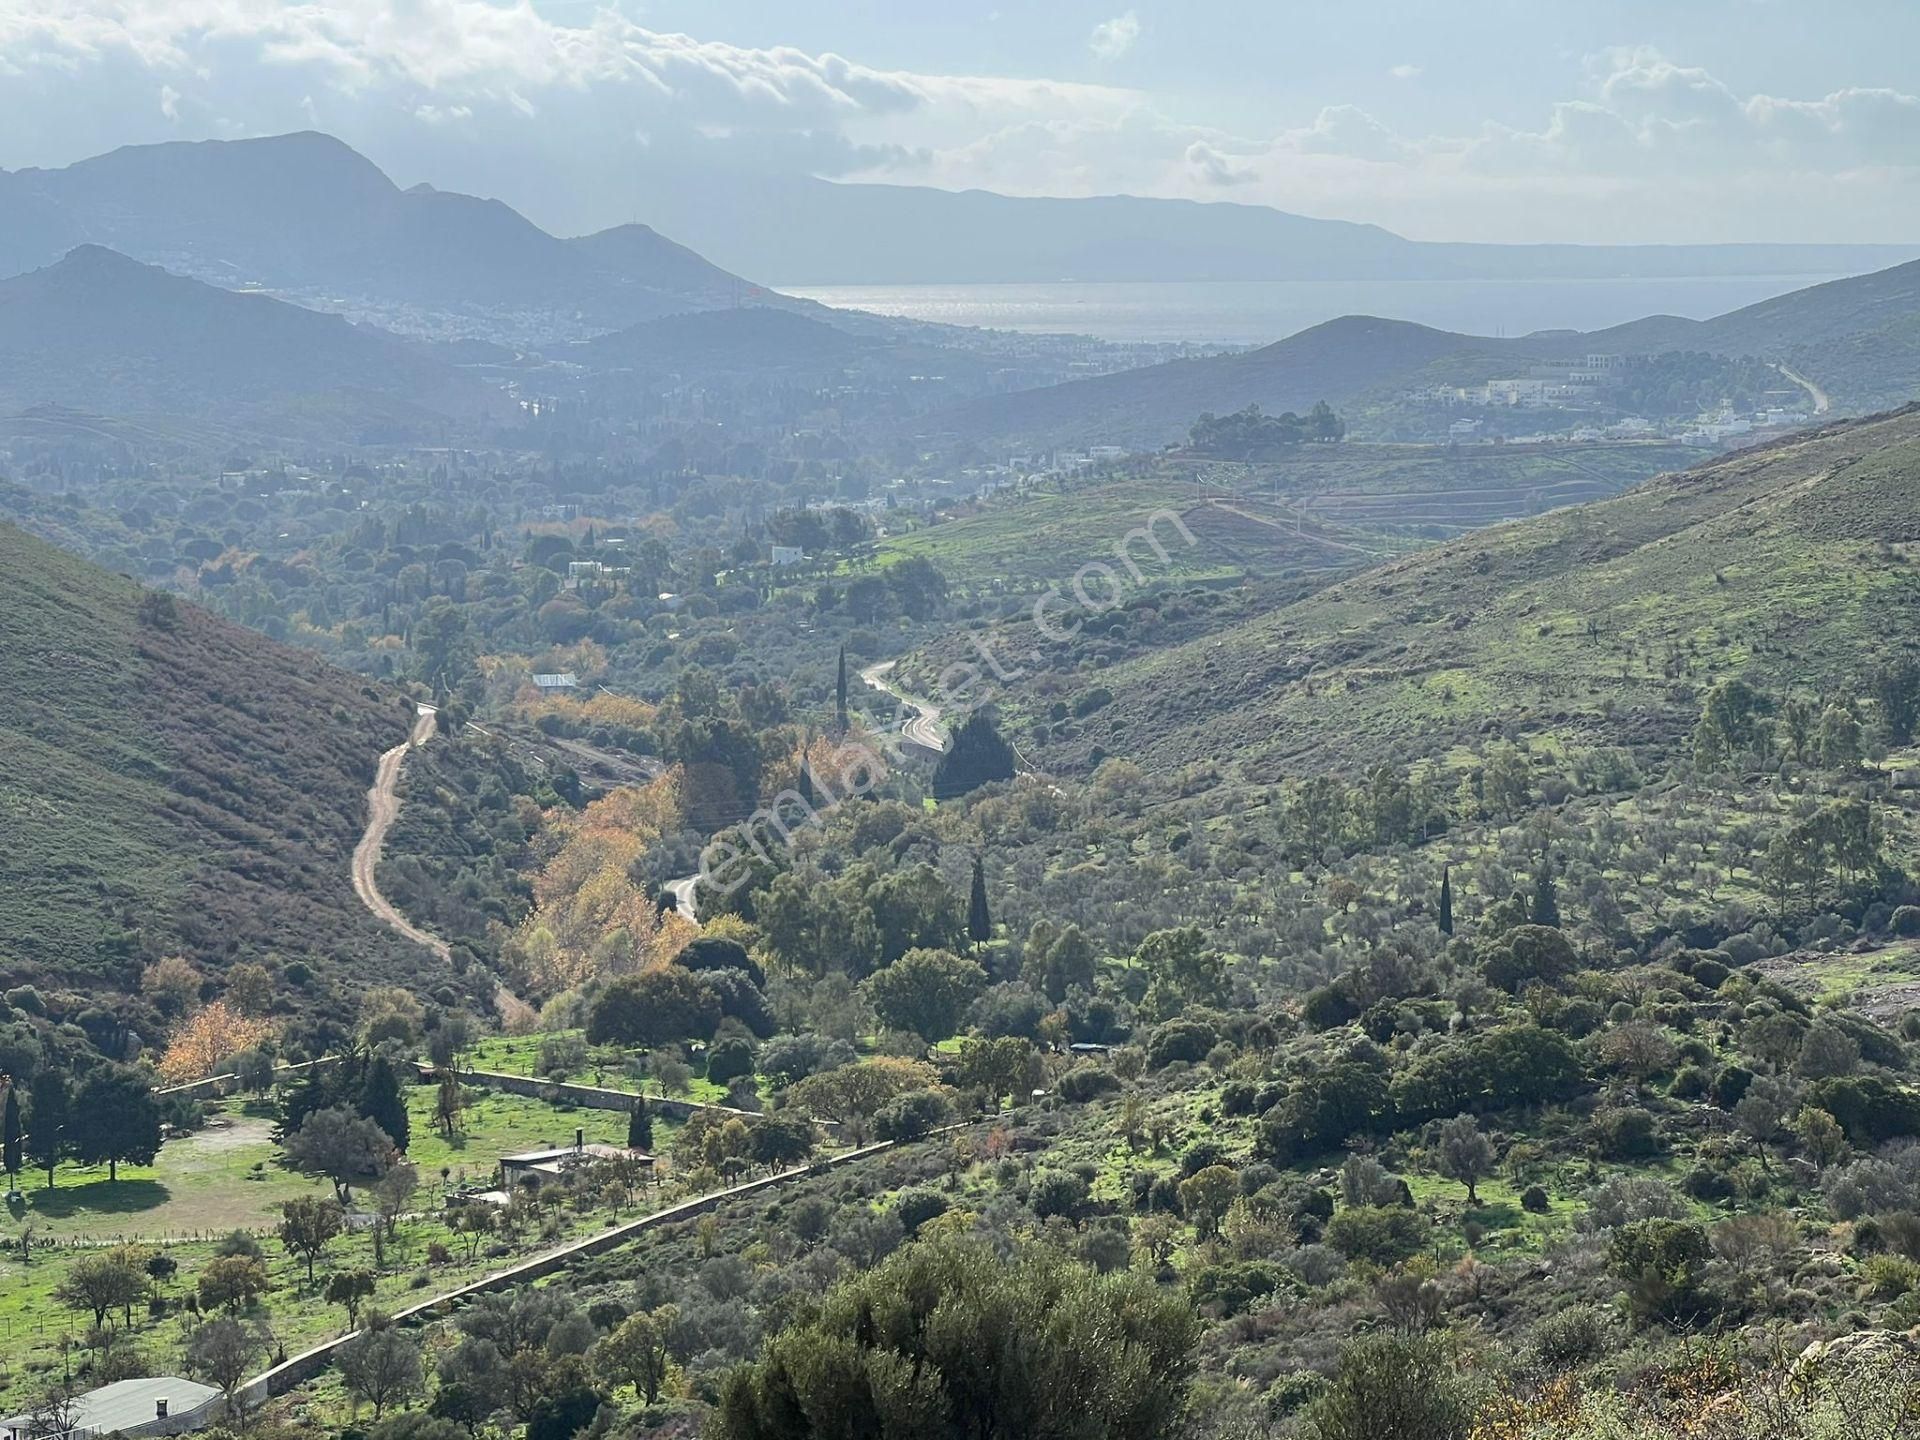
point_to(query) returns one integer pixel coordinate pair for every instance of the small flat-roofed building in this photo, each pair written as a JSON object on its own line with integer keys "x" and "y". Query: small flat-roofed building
{"x": 564, "y": 683}
{"x": 545, "y": 1165}
{"x": 156, "y": 1405}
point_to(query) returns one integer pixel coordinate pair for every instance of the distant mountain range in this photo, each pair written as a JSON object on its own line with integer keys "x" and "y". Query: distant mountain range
{"x": 1857, "y": 338}
{"x": 309, "y": 218}
{"x": 100, "y": 333}
{"x": 814, "y": 232}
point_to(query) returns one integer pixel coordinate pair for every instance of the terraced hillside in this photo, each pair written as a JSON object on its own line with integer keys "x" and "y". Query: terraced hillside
{"x": 173, "y": 784}
{"x": 1321, "y": 510}
{"x": 1602, "y": 623}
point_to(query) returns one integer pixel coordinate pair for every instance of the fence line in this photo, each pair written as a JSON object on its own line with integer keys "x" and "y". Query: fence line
{"x": 303, "y": 1367}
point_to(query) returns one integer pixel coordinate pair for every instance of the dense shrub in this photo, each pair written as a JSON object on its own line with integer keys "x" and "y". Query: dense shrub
{"x": 1187, "y": 1040}
{"x": 1086, "y": 1082}
{"x": 729, "y": 1059}
{"x": 1516, "y": 1065}
{"x": 1870, "y": 1108}
{"x": 1384, "y": 1236}
{"x": 1627, "y": 1133}
{"x": 1056, "y": 1192}
{"x": 1228, "y": 1288}
{"x": 1322, "y": 1110}
{"x": 909, "y": 1116}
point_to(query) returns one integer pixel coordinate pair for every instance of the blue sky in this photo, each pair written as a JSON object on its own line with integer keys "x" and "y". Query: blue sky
{"x": 1617, "y": 120}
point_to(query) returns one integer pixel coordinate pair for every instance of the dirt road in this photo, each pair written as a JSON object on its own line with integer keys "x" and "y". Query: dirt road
{"x": 1821, "y": 403}
{"x": 383, "y": 808}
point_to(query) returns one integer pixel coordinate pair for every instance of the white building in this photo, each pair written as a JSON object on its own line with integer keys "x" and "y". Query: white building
{"x": 788, "y": 555}
{"x": 157, "y": 1405}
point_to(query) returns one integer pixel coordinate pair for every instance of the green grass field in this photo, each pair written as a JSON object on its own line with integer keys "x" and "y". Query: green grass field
{"x": 226, "y": 1177}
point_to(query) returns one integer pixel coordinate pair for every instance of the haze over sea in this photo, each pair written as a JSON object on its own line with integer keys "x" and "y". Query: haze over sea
{"x": 1257, "y": 312}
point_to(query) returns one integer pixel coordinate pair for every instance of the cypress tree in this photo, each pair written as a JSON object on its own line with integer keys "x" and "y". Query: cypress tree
{"x": 979, "y": 918}
{"x": 382, "y": 1103}
{"x": 1446, "y": 900}
{"x": 840, "y": 694}
{"x": 52, "y": 1107}
{"x": 1546, "y": 900}
{"x": 10, "y": 1132}
{"x": 640, "y": 1125}
{"x": 977, "y": 756}
{"x": 805, "y": 785}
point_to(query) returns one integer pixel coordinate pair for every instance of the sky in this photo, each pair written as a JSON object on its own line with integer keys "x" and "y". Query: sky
{"x": 1499, "y": 120}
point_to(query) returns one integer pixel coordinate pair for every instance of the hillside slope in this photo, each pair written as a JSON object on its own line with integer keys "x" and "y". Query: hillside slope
{"x": 102, "y": 333}
{"x": 171, "y": 783}
{"x": 1601, "y": 624}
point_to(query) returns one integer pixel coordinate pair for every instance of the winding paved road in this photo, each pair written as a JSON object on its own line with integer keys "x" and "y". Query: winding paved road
{"x": 383, "y": 808}
{"x": 923, "y": 728}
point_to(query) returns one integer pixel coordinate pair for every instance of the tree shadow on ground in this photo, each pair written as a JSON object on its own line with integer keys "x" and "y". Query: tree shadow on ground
{"x": 98, "y": 1197}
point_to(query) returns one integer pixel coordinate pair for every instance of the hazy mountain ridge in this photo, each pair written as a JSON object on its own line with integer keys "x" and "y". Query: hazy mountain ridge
{"x": 853, "y": 234}
{"x": 102, "y": 333}
{"x": 1859, "y": 338}
{"x": 306, "y": 214}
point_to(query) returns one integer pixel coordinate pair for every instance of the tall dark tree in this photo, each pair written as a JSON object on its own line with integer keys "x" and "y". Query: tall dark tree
{"x": 1896, "y": 685}
{"x": 115, "y": 1118}
{"x": 1545, "y": 909}
{"x": 640, "y": 1125}
{"x": 382, "y": 1103}
{"x": 1446, "y": 900}
{"x": 979, "y": 917}
{"x": 52, "y": 1107}
{"x": 11, "y": 1154}
{"x": 805, "y": 783}
{"x": 977, "y": 757}
{"x": 840, "y": 694}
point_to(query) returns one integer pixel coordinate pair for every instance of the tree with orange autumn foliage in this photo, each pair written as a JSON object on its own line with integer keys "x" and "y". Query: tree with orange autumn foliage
{"x": 592, "y": 916}
{"x": 207, "y": 1039}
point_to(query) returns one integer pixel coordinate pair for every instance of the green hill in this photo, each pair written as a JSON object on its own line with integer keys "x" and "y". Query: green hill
{"x": 1602, "y": 624}
{"x": 171, "y": 783}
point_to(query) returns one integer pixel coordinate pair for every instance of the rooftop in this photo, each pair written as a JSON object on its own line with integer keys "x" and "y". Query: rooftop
{"x": 126, "y": 1404}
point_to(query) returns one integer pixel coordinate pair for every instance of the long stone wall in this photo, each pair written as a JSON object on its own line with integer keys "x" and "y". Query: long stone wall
{"x": 213, "y": 1087}
{"x": 299, "y": 1369}
{"x": 596, "y": 1097}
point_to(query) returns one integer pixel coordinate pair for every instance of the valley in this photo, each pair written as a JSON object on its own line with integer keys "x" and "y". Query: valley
{"x": 594, "y": 850}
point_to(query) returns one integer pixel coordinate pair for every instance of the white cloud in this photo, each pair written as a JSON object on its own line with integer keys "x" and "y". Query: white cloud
{"x": 492, "y": 93}
{"x": 1608, "y": 164}
{"x": 1113, "y": 38}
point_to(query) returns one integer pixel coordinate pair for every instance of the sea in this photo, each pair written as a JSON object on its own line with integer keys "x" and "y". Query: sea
{"x": 1257, "y": 312}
